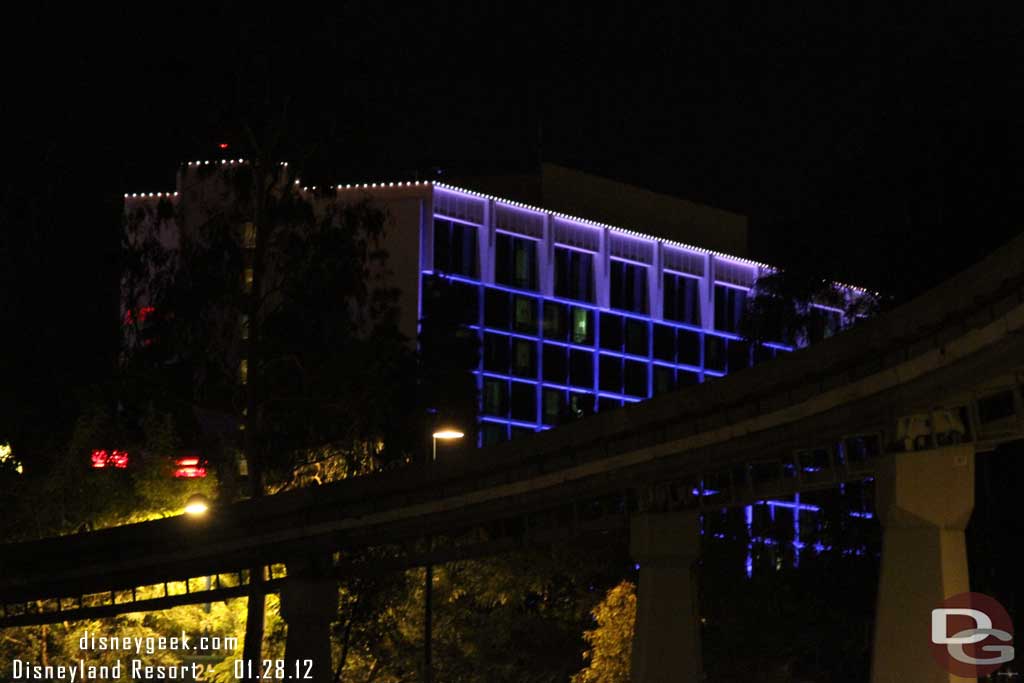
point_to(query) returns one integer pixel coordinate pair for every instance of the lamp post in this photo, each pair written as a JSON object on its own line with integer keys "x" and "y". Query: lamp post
{"x": 445, "y": 434}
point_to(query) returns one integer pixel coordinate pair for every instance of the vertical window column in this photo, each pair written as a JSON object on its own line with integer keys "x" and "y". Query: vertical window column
{"x": 654, "y": 282}
{"x": 546, "y": 258}
{"x": 707, "y": 294}
{"x": 486, "y": 244}
{"x": 602, "y": 271}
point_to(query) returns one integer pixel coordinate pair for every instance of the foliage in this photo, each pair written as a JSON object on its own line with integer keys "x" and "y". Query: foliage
{"x": 611, "y": 642}
{"x": 784, "y": 307}
{"x": 293, "y": 288}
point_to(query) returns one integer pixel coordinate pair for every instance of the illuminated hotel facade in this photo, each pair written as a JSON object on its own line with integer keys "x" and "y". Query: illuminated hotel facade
{"x": 574, "y": 316}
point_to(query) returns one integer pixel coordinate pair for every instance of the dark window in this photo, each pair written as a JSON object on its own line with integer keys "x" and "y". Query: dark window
{"x": 629, "y": 286}
{"x": 497, "y": 309}
{"x": 555, "y": 407}
{"x": 493, "y": 433}
{"x": 739, "y": 355}
{"x": 664, "y": 379}
{"x": 524, "y": 358}
{"x": 524, "y": 314}
{"x": 636, "y": 378}
{"x": 524, "y": 402}
{"x": 574, "y": 274}
{"x": 496, "y": 353}
{"x": 610, "y": 374}
{"x": 555, "y": 365}
{"x": 581, "y": 405}
{"x": 714, "y": 353}
{"x": 689, "y": 347}
{"x": 611, "y": 332}
{"x": 636, "y": 337}
{"x": 515, "y": 261}
{"x": 467, "y": 298}
{"x": 730, "y": 304}
{"x": 556, "y": 321}
{"x": 581, "y": 369}
{"x": 605, "y": 403}
{"x": 665, "y": 343}
{"x": 682, "y": 299}
{"x": 454, "y": 248}
{"x": 495, "y": 397}
{"x": 685, "y": 378}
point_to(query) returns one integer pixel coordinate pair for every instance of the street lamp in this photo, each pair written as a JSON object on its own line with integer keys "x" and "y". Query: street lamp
{"x": 446, "y": 434}
{"x": 197, "y": 505}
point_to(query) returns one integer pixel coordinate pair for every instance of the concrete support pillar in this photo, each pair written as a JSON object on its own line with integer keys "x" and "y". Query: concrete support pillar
{"x": 666, "y": 643}
{"x": 309, "y": 602}
{"x": 924, "y": 501}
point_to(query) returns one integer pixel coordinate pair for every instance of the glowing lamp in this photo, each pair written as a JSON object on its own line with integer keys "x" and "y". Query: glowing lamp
{"x": 444, "y": 434}
{"x": 197, "y": 505}
{"x": 223, "y": 145}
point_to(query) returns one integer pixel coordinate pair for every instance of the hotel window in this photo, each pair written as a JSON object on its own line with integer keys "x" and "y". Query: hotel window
{"x": 714, "y": 353}
{"x": 454, "y": 248}
{"x": 556, "y": 366}
{"x": 636, "y": 337}
{"x": 568, "y": 323}
{"x": 611, "y": 332}
{"x": 495, "y": 397}
{"x": 635, "y": 378}
{"x": 492, "y": 433}
{"x": 524, "y": 358}
{"x": 524, "y": 314}
{"x": 682, "y": 299}
{"x": 688, "y": 347}
{"x": 664, "y": 343}
{"x": 497, "y": 357}
{"x": 610, "y": 374}
{"x": 574, "y": 274}
{"x": 515, "y": 262}
{"x": 629, "y": 286}
{"x": 664, "y": 379}
{"x": 524, "y": 402}
{"x": 554, "y": 406}
{"x": 730, "y": 305}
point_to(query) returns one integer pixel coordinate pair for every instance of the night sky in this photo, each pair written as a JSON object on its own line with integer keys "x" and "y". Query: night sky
{"x": 884, "y": 143}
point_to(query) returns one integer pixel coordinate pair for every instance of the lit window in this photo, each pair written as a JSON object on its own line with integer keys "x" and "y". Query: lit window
{"x": 582, "y": 327}
{"x": 574, "y": 274}
{"x": 243, "y": 371}
{"x": 515, "y": 262}
{"x": 248, "y": 280}
{"x": 629, "y": 286}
